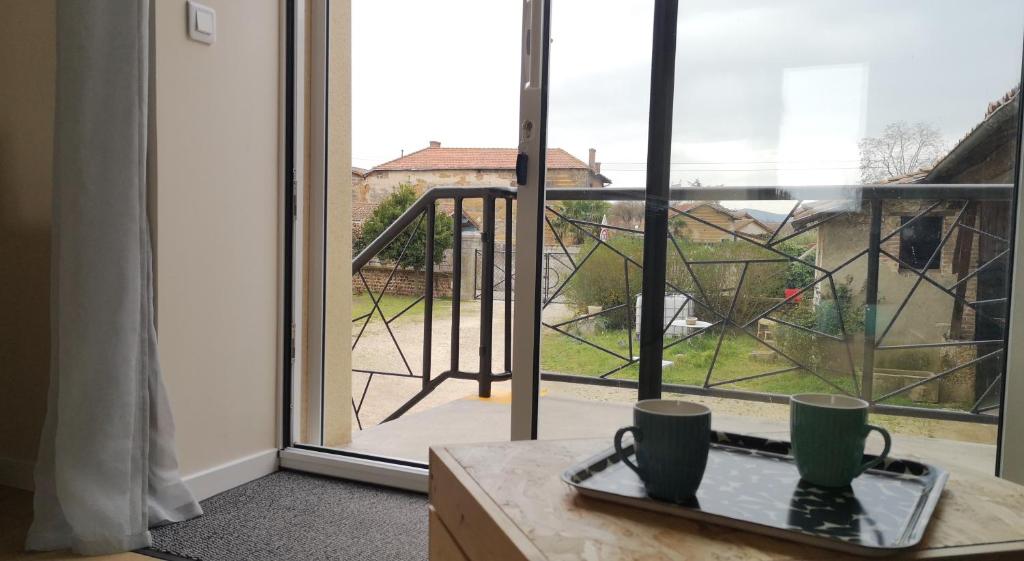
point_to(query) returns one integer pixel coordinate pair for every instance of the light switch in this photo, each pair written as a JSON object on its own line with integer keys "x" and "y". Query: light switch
{"x": 202, "y": 23}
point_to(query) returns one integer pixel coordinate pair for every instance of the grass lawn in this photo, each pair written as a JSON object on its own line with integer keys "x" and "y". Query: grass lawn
{"x": 691, "y": 360}
{"x": 392, "y": 304}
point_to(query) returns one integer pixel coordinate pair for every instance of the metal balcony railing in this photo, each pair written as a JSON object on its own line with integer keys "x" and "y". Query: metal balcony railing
{"x": 425, "y": 210}
{"x": 966, "y": 205}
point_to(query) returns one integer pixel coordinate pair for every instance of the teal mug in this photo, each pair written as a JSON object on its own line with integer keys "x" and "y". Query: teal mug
{"x": 828, "y": 434}
{"x": 671, "y": 439}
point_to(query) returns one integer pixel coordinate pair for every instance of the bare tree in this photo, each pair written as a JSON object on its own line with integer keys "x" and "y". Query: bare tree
{"x": 901, "y": 149}
{"x": 696, "y": 182}
{"x": 629, "y": 214}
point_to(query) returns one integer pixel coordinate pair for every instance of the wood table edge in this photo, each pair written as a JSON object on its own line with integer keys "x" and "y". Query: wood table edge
{"x": 516, "y": 540}
{"x": 441, "y": 545}
{"x": 479, "y": 526}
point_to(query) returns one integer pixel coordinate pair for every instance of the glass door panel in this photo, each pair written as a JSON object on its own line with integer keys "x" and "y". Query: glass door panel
{"x": 841, "y": 176}
{"x": 591, "y": 272}
{"x": 433, "y": 106}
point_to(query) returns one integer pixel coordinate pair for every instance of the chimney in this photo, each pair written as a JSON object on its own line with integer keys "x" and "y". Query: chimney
{"x": 593, "y": 158}
{"x": 597, "y": 167}
{"x": 435, "y": 144}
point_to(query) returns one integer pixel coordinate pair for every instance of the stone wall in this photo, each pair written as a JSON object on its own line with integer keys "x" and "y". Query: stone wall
{"x": 894, "y": 211}
{"x": 405, "y": 282}
{"x": 927, "y": 316}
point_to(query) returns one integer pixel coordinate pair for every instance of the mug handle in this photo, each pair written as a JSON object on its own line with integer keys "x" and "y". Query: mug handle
{"x": 637, "y": 436}
{"x": 885, "y": 450}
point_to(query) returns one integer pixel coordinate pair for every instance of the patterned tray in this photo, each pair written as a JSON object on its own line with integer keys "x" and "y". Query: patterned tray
{"x": 752, "y": 483}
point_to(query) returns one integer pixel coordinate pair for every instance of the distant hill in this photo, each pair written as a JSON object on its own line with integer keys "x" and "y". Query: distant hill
{"x": 764, "y": 215}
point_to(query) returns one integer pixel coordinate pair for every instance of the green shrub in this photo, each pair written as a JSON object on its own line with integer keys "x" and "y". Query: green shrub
{"x": 588, "y": 211}
{"x": 386, "y": 213}
{"x": 799, "y": 275}
{"x": 601, "y": 280}
{"x": 908, "y": 359}
{"x": 762, "y": 287}
{"x": 801, "y": 345}
{"x": 821, "y": 353}
{"x": 827, "y": 318}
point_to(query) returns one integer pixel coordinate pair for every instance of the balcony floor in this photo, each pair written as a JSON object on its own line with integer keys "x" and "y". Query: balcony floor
{"x": 471, "y": 419}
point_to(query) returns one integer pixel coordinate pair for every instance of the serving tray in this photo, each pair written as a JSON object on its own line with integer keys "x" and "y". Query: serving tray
{"x": 752, "y": 483}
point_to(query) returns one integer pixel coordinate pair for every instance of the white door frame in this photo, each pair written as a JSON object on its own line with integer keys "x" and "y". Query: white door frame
{"x": 311, "y": 349}
{"x": 1011, "y": 428}
{"x": 530, "y": 220}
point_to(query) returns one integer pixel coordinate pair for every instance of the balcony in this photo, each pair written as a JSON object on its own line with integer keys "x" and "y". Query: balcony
{"x": 890, "y": 293}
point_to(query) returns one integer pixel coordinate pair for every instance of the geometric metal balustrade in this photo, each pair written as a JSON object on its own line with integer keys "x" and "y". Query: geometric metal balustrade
{"x": 720, "y": 311}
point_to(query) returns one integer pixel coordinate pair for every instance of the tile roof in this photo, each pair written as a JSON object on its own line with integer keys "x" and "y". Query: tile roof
{"x": 916, "y": 176}
{"x": 436, "y": 158}
{"x": 1005, "y": 100}
{"x": 361, "y": 172}
{"x": 688, "y": 206}
{"x": 811, "y": 212}
{"x": 744, "y": 222}
{"x": 361, "y": 212}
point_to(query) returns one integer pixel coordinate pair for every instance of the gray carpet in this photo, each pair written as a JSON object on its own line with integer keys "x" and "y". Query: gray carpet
{"x": 293, "y": 516}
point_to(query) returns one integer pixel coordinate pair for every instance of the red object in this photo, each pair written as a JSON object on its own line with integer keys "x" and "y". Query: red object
{"x": 790, "y": 292}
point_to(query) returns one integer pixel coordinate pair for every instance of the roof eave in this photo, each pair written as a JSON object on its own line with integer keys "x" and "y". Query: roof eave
{"x": 1002, "y": 116}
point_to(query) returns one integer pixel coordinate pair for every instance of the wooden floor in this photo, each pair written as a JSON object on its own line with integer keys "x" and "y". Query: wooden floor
{"x": 15, "y": 517}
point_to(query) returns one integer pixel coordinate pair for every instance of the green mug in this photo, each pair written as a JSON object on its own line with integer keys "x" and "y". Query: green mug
{"x": 828, "y": 434}
{"x": 672, "y": 439}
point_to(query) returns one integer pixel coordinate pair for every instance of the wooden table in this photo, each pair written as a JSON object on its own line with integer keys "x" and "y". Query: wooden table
{"x": 506, "y": 502}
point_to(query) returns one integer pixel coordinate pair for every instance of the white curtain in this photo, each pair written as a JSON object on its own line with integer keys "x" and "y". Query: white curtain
{"x": 107, "y": 469}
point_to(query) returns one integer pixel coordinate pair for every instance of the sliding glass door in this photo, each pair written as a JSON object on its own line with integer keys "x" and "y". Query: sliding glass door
{"x": 727, "y": 202}
{"x": 787, "y": 198}
{"x": 409, "y": 222}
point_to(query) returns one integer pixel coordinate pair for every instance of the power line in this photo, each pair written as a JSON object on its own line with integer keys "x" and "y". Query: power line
{"x": 741, "y": 162}
{"x": 698, "y": 170}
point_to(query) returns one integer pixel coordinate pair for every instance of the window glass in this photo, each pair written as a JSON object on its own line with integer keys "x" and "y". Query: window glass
{"x": 822, "y": 153}
{"x": 919, "y": 241}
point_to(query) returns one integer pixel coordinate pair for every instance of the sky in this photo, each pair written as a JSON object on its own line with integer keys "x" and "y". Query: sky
{"x": 766, "y": 93}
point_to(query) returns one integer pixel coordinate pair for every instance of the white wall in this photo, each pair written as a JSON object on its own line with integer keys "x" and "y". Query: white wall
{"x": 215, "y": 205}
{"x": 217, "y": 223}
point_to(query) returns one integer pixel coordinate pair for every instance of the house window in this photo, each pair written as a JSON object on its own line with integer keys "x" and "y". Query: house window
{"x": 918, "y": 242}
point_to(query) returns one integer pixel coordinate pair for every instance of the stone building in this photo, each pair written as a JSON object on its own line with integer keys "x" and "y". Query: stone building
{"x": 985, "y": 155}
{"x": 437, "y": 166}
{"x": 726, "y": 220}
{"x": 695, "y": 224}
{"x": 358, "y": 174}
